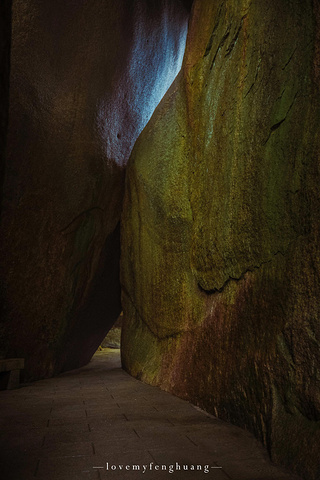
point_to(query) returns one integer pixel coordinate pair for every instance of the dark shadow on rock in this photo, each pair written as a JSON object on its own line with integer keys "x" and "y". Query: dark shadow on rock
{"x": 102, "y": 307}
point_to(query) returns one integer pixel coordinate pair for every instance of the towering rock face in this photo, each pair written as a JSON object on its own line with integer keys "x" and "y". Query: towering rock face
{"x": 85, "y": 78}
{"x": 5, "y": 43}
{"x": 220, "y": 240}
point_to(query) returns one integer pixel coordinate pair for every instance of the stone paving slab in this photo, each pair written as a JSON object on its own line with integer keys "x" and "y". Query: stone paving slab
{"x": 98, "y": 423}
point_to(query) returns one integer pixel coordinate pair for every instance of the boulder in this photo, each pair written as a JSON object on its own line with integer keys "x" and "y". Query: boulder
{"x": 220, "y": 240}
{"x": 85, "y": 79}
{"x": 5, "y": 46}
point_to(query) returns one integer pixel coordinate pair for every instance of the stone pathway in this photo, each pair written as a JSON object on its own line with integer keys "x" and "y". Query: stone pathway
{"x": 99, "y": 423}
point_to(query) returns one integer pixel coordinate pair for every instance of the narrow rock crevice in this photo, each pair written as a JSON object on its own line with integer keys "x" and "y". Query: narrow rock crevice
{"x": 241, "y": 277}
{"x": 275, "y": 127}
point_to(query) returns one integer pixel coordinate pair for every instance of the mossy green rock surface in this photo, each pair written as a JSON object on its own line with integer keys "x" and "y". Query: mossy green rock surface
{"x": 220, "y": 239}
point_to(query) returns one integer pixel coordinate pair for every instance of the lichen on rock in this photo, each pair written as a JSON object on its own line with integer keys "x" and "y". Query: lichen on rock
{"x": 220, "y": 228}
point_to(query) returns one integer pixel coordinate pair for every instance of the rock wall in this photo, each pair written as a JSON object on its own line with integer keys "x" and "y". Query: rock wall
{"x": 85, "y": 78}
{"x": 220, "y": 239}
{"x": 5, "y": 44}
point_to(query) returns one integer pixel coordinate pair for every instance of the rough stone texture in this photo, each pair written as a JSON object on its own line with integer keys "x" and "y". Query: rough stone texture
{"x": 5, "y": 44}
{"x": 85, "y": 78}
{"x": 220, "y": 239}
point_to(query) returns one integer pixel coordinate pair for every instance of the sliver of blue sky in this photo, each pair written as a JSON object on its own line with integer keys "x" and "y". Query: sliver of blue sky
{"x": 157, "y": 48}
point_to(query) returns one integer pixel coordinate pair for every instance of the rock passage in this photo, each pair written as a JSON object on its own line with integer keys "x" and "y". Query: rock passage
{"x": 100, "y": 423}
